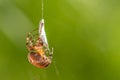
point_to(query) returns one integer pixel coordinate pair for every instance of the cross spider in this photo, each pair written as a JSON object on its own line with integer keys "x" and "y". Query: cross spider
{"x": 39, "y": 52}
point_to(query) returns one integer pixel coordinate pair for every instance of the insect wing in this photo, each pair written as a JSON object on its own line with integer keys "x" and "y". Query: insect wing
{"x": 42, "y": 33}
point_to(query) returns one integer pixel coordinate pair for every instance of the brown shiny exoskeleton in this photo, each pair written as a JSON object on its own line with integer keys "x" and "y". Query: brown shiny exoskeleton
{"x": 39, "y": 52}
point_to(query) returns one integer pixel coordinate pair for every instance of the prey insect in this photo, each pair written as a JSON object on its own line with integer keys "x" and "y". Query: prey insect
{"x": 37, "y": 45}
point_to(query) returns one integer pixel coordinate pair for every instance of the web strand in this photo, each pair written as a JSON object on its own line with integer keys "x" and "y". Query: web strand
{"x": 42, "y": 8}
{"x": 56, "y": 70}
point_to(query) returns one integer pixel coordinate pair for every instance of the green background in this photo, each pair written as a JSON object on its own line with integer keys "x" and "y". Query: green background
{"x": 85, "y": 35}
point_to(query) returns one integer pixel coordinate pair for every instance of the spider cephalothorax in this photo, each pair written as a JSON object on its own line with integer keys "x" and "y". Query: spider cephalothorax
{"x": 39, "y": 52}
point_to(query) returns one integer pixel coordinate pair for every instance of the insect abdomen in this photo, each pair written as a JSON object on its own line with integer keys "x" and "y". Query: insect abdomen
{"x": 38, "y": 61}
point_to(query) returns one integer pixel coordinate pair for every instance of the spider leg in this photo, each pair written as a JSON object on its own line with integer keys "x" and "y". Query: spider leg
{"x": 29, "y": 42}
{"x": 51, "y": 53}
{"x": 34, "y": 30}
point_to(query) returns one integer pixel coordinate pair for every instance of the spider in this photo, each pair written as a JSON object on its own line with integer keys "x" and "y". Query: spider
{"x": 39, "y": 52}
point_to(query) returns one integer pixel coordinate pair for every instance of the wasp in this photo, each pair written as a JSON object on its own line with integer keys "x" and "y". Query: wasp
{"x": 37, "y": 45}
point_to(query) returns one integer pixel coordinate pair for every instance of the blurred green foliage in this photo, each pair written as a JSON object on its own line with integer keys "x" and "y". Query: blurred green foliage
{"x": 85, "y": 35}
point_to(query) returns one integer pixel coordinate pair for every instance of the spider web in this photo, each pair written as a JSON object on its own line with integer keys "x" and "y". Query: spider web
{"x": 35, "y": 35}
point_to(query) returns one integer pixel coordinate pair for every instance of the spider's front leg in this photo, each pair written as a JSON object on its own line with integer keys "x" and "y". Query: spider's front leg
{"x": 29, "y": 42}
{"x": 51, "y": 53}
{"x": 48, "y": 52}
